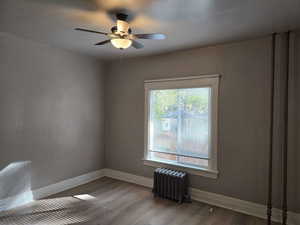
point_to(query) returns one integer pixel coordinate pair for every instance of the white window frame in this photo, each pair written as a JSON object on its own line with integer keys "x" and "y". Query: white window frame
{"x": 211, "y": 81}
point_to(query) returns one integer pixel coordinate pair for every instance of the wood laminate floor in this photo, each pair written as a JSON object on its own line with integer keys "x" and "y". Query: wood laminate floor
{"x": 111, "y": 202}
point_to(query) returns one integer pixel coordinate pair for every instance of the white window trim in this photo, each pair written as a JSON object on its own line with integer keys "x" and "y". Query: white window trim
{"x": 211, "y": 81}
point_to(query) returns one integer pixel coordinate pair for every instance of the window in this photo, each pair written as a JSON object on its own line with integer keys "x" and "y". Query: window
{"x": 181, "y": 123}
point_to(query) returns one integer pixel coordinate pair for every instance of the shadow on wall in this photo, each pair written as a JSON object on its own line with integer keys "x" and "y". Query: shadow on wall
{"x": 15, "y": 185}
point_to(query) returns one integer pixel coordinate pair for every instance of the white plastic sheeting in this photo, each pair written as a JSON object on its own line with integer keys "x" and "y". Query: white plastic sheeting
{"x": 15, "y": 185}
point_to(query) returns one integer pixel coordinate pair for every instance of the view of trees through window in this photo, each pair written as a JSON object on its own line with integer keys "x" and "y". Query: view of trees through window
{"x": 179, "y": 128}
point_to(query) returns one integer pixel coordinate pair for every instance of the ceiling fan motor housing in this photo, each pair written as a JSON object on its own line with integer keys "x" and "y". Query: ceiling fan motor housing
{"x": 114, "y": 29}
{"x": 121, "y": 16}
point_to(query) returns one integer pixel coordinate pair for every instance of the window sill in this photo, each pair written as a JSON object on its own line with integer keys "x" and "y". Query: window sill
{"x": 189, "y": 169}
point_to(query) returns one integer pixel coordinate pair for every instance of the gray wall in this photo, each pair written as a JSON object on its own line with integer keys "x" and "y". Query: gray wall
{"x": 51, "y": 110}
{"x": 52, "y": 113}
{"x": 243, "y": 114}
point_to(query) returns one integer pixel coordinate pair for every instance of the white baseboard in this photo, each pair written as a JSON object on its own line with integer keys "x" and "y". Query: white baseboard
{"x": 131, "y": 178}
{"x": 29, "y": 196}
{"x": 234, "y": 204}
{"x": 238, "y": 205}
{"x": 246, "y": 207}
{"x": 67, "y": 184}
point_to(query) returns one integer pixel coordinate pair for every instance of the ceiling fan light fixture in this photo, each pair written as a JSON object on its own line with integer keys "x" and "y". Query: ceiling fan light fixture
{"x": 121, "y": 36}
{"x": 121, "y": 43}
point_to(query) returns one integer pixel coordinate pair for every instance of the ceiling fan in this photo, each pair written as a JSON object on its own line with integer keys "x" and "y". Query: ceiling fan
{"x": 121, "y": 36}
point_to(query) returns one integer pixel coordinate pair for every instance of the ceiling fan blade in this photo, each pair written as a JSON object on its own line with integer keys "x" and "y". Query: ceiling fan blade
{"x": 150, "y": 36}
{"x": 103, "y": 42}
{"x": 91, "y": 31}
{"x": 137, "y": 45}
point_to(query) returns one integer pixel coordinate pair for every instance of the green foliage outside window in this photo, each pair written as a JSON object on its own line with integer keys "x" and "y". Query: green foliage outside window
{"x": 192, "y": 100}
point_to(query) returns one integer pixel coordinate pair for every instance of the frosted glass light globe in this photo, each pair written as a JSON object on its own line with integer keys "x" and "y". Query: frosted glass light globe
{"x": 121, "y": 43}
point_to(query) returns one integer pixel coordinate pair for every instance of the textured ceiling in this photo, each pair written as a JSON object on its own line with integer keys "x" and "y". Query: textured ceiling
{"x": 186, "y": 23}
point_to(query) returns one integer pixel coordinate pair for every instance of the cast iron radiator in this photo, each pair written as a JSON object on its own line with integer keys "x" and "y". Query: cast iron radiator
{"x": 171, "y": 184}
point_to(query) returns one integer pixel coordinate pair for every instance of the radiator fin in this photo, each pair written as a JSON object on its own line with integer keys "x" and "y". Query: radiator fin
{"x": 171, "y": 184}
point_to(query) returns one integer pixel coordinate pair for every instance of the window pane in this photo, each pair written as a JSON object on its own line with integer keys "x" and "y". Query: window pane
{"x": 193, "y": 161}
{"x": 180, "y": 122}
{"x": 163, "y": 157}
